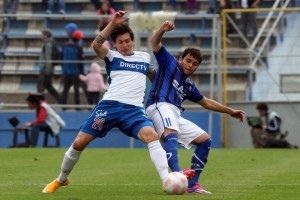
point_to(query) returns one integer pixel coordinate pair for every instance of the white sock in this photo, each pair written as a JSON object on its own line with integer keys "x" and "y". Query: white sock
{"x": 159, "y": 158}
{"x": 70, "y": 159}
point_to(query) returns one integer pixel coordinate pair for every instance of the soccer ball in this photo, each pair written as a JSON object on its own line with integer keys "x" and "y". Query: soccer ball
{"x": 175, "y": 183}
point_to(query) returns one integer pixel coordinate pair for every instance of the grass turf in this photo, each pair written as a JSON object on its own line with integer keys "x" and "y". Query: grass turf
{"x": 128, "y": 174}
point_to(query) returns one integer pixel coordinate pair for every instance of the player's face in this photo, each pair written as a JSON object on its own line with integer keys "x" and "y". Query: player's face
{"x": 31, "y": 105}
{"x": 124, "y": 44}
{"x": 262, "y": 112}
{"x": 43, "y": 36}
{"x": 189, "y": 64}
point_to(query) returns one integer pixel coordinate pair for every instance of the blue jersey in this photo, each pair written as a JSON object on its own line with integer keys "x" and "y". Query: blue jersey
{"x": 170, "y": 84}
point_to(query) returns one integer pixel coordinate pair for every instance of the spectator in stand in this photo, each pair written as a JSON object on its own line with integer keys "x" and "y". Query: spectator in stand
{"x": 10, "y": 6}
{"x": 46, "y": 118}
{"x": 212, "y": 6}
{"x": 94, "y": 82}
{"x": 97, "y": 3}
{"x": 105, "y": 9}
{"x": 191, "y": 6}
{"x": 60, "y": 4}
{"x": 227, "y": 4}
{"x": 72, "y": 52}
{"x": 46, "y": 66}
{"x": 70, "y": 29}
{"x": 248, "y": 19}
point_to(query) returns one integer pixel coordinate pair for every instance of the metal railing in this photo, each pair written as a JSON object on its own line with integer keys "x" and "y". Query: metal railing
{"x": 252, "y": 45}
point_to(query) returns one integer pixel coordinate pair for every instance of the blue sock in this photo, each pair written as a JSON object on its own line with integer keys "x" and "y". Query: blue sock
{"x": 199, "y": 160}
{"x": 171, "y": 142}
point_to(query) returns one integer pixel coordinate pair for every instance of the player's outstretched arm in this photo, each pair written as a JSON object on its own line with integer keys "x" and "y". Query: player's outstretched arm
{"x": 210, "y": 104}
{"x": 100, "y": 49}
{"x": 158, "y": 34}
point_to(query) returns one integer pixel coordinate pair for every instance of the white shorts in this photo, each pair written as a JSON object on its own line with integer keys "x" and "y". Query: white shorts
{"x": 165, "y": 115}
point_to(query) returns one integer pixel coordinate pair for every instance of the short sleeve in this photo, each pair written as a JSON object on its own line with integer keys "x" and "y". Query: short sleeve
{"x": 108, "y": 58}
{"x": 163, "y": 57}
{"x": 194, "y": 95}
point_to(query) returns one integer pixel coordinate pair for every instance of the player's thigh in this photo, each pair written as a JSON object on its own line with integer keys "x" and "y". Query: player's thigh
{"x": 164, "y": 115}
{"x": 133, "y": 120}
{"x": 189, "y": 132}
{"x": 103, "y": 118}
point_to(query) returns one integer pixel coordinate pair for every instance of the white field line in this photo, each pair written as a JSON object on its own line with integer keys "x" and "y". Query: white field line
{"x": 141, "y": 184}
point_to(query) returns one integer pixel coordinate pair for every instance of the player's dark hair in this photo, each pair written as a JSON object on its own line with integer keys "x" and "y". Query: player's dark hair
{"x": 35, "y": 98}
{"x": 120, "y": 29}
{"x": 196, "y": 53}
{"x": 262, "y": 106}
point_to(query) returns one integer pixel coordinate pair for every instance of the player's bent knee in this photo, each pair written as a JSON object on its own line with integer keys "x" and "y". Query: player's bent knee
{"x": 167, "y": 132}
{"x": 82, "y": 140}
{"x": 147, "y": 135}
{"x": 77, "y": 145}
{"x": 201, "y": 138}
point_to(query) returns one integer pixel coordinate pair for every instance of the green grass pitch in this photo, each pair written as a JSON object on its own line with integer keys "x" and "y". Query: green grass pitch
{"x": 128, "y": 174}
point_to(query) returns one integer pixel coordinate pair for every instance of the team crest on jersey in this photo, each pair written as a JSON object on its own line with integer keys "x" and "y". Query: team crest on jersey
{"x": 179, "y": 89}
{"x": 190, "y": 83}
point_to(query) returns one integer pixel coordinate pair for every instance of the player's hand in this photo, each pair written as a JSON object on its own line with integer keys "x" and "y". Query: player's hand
{"x": 168, "y": 26}
{"x": 118, "y": 17}
{"x": 26, "y": 125}
{"x": 238, "y": 114}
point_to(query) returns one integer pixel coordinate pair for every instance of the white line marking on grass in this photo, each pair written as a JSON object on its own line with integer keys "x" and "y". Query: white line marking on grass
{"x": 141, "y": 184}
{"x": 96, "y": 184}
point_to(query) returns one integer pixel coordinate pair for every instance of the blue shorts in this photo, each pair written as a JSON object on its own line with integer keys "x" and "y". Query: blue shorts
{"x": 109, "y": 114}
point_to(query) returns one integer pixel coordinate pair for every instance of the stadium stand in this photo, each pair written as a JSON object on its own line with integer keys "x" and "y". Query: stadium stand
{"x": 20, "y": 43}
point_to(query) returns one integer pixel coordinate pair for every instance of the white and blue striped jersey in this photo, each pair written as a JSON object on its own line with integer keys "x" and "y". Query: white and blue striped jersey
{"x": 170, "y": 84}
{"x": 126, "y": 77}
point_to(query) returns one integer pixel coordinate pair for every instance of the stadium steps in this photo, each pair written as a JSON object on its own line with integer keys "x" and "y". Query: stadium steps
{"x": 190, "y": 31}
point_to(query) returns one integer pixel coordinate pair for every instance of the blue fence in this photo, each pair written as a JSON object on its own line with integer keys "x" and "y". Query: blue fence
{"x": 114, "y": 139}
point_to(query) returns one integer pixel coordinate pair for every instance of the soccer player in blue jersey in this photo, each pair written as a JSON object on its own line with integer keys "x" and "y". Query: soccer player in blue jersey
{"x": 122, "y": 104}
{"x": 170, "y": 87}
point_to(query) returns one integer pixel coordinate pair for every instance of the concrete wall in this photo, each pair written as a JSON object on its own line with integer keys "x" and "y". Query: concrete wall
{"x": 239, "y": 133}
{"x": 114, "y": 139}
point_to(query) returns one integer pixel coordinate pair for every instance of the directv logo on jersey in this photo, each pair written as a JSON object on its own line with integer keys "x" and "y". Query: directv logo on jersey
{"x": 133, "y": 66}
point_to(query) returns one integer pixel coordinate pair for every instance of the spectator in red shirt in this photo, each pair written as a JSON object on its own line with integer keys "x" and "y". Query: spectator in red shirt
{"x": 46, "y": 118}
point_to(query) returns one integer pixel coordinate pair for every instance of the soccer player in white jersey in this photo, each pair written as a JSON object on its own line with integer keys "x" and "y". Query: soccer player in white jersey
{"x": 122, "y": 104}
{"x": 171, "y": 86}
